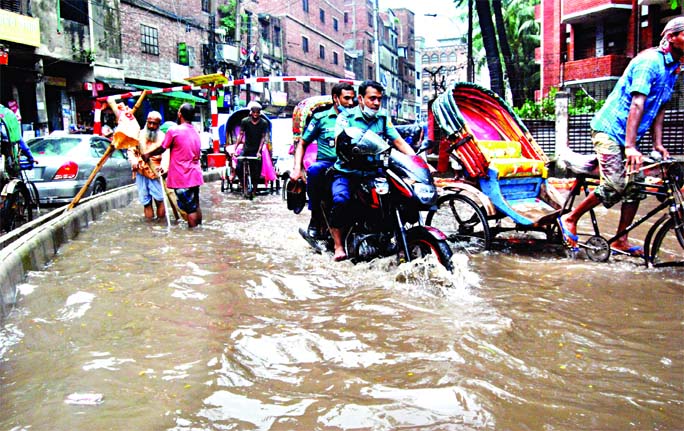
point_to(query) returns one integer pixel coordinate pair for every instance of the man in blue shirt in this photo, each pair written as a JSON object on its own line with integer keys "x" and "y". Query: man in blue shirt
{"x": 635, "y": 105}
{"x": 366, "y": 116}
{"x": 321, "y": 129}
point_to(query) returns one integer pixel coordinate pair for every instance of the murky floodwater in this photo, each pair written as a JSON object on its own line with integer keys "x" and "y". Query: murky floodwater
{"x": 236, "y": 325}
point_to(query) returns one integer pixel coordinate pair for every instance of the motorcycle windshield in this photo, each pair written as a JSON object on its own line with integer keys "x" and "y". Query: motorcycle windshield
{"x": 413, "y": 167}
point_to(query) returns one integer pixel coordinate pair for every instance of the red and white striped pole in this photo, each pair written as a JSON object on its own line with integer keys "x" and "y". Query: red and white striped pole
{"x": 215, "y": 159}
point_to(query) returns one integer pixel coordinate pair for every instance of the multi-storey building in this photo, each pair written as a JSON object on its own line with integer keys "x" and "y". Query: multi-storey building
{"x": 62, "y": 55}
{"x": 442, "y": 65}
{"x": 588, "y": 43}
{"x": 56, "y": 53}
{"x": 360, "y": 37}
{"x": 162, "y": 44}
{"x": 389, "y": 60}
{"x": 408, "y": 108}
{"x": 312, "y": 34}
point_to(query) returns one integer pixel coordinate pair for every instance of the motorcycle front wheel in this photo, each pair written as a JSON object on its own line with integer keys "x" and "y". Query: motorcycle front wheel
{"x": 421, "y": 242}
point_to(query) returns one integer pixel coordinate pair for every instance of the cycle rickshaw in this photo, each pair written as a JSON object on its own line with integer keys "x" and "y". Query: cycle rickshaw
{"x": 501, "y": 184}
{"x": 19, "y": 196}
{"x": 229, "y": 175}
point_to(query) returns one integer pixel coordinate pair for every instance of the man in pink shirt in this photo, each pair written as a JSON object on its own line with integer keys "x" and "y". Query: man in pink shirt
{"x": 185, "y": 172}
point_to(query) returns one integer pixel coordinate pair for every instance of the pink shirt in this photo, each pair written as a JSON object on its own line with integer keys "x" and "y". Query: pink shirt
{"x": 184, "y": 167}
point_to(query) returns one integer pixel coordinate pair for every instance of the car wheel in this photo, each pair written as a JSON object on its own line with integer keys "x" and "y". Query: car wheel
{"x": 99, "y": 187}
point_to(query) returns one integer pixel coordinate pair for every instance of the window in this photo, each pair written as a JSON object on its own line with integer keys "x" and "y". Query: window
{"x": 306, "y": 86}
{"x": 321, "y": 15}
{"x": 305, "y": 44}
{"x": 336, "y": 24}
{"x": 443, "y": 57}
{"x": 434, "y": 58}
{"x": 305, "y": 5}
{"x": 346, "y": 17}
{"x": 335, "y": 59}
{"x": 322, "y": 88}
{"x": 149, "y": 39}
{"x": 452, "y": 57}
{"x": 370, "y": 72}
{"x": 321, "y": 52}
{"x": 73, "y": 10}
{"x": 370, "y": 46}
{"x": 426, "y": 59}
{"x": 276, "y": 37}
{"x": 370, "y": 20}
{"x": 264, "y": 29}
{"x": 205, "y": 5}
{"x": 192, "y": 59}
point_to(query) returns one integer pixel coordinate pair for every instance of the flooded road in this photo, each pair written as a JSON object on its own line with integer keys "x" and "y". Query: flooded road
{"x": 238, "y": 326}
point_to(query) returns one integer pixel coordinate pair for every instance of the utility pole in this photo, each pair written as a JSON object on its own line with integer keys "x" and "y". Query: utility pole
{"x": 470, "y": 69}
{"x": 248, "y": 87}
{"x": 376, "y": 44}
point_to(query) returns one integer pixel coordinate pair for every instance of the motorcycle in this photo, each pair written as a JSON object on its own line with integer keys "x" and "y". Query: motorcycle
{"x": 392, "y": 192}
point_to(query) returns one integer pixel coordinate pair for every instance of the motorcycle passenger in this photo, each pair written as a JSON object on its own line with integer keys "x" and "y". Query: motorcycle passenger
{"x": 366, "y": 116}
{"x": 321, "y": 129}
{"x": 253, "y": 133}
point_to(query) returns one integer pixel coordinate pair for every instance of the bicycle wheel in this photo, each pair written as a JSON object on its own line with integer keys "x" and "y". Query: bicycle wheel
{"x": 666, "y": 247}
{"x": 16, "y": 208}
{"x": 463, "y": 223}
{"x": 247, "y": 188}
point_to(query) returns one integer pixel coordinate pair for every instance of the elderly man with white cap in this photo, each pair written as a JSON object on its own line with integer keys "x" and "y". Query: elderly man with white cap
{"x": 635, "y": 105}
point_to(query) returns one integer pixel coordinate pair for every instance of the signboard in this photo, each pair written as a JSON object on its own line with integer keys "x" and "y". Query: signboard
{"x": 278, "y": 98}
{"x": 19, "y": 28}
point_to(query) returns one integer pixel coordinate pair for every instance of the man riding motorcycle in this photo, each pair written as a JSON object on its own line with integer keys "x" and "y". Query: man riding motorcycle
{"x": 366, "y": 116}
{"x": 322, "y": 130}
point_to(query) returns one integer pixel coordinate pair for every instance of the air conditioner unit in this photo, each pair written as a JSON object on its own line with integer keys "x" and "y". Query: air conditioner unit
{"x": 227, "y": 53}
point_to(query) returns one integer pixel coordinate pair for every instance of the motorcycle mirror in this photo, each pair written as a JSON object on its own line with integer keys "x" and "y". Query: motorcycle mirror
{"x": 426, "y": 145}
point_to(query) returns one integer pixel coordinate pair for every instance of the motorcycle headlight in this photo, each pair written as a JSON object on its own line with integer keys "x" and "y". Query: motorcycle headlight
{"x": 426, "y": 193}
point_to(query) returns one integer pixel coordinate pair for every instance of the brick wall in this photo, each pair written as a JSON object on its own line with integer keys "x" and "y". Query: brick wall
{"x": 298, "y": 24}
{"x": 156, "y": 68}
{"x": 580, "y": 6}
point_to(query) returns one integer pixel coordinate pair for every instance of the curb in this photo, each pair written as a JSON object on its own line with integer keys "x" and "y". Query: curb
{"x": 35, "y": 243}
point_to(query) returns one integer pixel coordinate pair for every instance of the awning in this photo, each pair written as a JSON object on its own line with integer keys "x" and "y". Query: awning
{"x": 181, "y": 95}
{"x": 116, "y": 84}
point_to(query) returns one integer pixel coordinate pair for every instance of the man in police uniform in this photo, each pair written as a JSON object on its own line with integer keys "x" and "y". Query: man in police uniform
{"x": 366, "y": 116}
{"x": 322, "y": 130}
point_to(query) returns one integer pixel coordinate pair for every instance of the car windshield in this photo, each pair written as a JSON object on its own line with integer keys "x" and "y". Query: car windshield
{"x": 55, "y": 147}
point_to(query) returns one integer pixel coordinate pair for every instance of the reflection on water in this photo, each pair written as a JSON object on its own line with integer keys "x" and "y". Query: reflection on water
{"x": 237, "y": 325}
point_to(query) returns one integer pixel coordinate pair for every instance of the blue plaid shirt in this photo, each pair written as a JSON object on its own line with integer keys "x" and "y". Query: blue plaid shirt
{"x": 651, "y": 73}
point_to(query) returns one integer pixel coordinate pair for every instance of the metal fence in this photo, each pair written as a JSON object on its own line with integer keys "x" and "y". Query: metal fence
{"x": 579, "y": 133}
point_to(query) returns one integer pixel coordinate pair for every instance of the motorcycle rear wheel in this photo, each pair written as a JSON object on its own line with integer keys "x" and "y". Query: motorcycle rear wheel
{"x": 422, "y": 243}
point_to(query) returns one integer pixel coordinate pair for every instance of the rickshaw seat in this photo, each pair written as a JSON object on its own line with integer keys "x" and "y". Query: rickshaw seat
{"x": 519, "y": 167}
{"x": 500, "y": 149}
{"x": 505, "y": 158}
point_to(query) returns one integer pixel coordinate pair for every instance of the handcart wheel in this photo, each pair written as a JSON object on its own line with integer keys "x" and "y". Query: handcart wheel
{"x": 597, "y": 249}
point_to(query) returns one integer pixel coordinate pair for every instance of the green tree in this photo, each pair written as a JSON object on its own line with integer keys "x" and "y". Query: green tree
{"x": 491, "y": 46}
{"x": 227, "y": 17}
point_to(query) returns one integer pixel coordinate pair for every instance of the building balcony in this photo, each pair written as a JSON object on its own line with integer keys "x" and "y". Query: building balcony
{"x": 583, "y": 11}
{"x": 590, "y": 69}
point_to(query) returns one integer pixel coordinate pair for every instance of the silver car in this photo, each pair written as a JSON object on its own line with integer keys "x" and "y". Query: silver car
{"x": 63, "y": 164}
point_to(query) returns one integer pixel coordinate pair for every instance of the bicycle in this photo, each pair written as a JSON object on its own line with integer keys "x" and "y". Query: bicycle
{"x": 248, "y": 188}
{"x": 664, "y": 242}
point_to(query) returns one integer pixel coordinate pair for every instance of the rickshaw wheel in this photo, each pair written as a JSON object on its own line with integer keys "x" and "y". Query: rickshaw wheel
{"x": 597, "y": 249}
{"x": 463, "y": 222}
